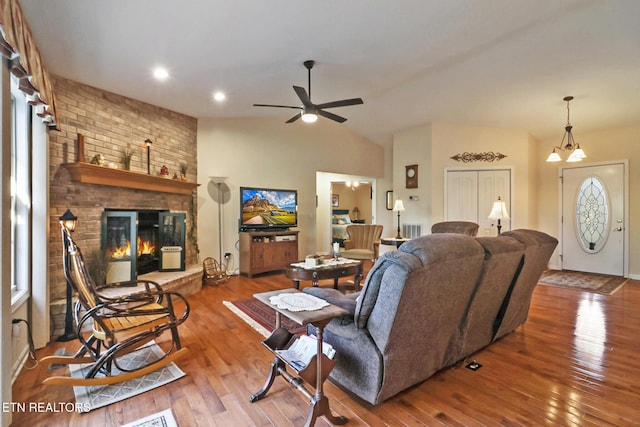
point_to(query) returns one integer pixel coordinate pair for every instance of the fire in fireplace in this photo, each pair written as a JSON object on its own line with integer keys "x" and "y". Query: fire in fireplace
{"x": 140, "y": 232}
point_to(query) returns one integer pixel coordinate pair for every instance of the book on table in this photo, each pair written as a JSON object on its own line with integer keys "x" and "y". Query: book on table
{"x": 302, "y": 350}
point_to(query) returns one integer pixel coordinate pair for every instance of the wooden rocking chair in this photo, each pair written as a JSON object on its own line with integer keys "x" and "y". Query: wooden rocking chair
{"x": 121, "y": 325}
{"x": 213, "y": 271}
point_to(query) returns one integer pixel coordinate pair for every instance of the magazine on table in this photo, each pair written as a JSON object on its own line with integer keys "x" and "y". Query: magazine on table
{"x": 300, "y": 353}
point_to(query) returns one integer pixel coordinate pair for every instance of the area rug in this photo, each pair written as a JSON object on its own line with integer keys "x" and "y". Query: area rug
{"x": 94, "y": 397}
{"x": 592, "y": 282}
{"x": 260, "y": 317}
{"x": 159, "y": 419}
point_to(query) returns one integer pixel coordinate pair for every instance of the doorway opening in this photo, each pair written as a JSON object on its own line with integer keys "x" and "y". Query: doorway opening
{"x": 340, "y": 194}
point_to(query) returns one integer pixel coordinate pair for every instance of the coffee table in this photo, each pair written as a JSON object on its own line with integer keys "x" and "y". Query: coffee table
{"x": 296, "y": 272}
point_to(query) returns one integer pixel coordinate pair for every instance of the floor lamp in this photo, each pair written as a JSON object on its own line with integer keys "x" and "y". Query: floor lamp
{"x": 218, "y": 181}
{"x": 68, "y": 220}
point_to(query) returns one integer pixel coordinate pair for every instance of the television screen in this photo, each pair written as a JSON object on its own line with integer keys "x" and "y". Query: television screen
{"x": 267, "y": 207}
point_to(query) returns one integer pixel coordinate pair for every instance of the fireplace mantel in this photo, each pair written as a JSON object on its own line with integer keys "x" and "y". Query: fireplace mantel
{"x": 93, "y": 174}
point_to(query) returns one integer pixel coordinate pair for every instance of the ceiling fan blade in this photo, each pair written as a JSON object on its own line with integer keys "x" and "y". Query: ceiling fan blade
{"x": 294, "y": 118}
{"x": 342, "y": 103}
{"x": 332, "y": 116}
{"x": 302, "y": 94}
{"x": 277, "y": 106}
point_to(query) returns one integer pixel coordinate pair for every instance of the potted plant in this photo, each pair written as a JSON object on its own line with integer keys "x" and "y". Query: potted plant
{"x": 127, "y": 154}
{"x": 183, "y": 171}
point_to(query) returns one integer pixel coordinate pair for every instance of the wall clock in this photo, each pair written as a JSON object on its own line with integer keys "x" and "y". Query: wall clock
{"x": 411, "y": 175}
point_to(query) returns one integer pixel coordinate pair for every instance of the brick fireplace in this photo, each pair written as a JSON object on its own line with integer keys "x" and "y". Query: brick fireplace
{"x": 110, "y": 124}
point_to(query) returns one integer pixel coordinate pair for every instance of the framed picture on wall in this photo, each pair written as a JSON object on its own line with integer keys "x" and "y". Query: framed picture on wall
{"x": 335, "y": 200}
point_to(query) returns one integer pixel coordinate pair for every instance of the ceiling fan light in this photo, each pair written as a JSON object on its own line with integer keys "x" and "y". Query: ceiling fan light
{"x": 309, "y": 118}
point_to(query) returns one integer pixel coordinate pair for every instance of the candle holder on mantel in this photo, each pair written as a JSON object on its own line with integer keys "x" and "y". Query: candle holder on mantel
{"x": 80, "y": 149}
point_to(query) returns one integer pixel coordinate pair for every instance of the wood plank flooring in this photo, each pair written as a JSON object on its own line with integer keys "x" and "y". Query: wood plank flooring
{"x": 574, "y": 363}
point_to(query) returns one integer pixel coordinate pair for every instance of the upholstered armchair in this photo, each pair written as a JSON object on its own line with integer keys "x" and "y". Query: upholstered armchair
{"x": 458, "y": 227}
{"x": 363, "y": 241}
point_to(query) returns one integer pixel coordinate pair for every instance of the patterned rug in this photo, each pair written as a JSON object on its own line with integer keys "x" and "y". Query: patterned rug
{"x": 94, "y": 397}
{"x": 159, "y": 419}
{"x": 592, "y": 282}
{"x": 260, "y": 317}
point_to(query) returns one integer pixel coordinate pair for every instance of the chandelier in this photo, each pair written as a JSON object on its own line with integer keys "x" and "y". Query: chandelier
{"x": 570, "y": 146}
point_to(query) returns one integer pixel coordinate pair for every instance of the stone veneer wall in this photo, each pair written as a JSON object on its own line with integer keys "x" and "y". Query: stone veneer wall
{"x": 111, "y": 123}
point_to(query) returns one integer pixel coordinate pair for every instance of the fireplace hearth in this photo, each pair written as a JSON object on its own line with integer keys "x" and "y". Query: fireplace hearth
{"x": 135, "y": 242}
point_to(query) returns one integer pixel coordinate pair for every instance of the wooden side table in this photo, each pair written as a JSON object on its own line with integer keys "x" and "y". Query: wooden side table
{"x": 392, "y": 241}
{"x": 316, "y": 372}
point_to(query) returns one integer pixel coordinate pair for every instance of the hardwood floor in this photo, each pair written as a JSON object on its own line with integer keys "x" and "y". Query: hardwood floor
{"x": 574, "y": 363}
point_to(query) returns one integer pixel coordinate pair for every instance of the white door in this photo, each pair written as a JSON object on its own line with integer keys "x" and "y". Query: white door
{"x": 462, "y": 196}
{"x": 593, "y": 222}
{"x": 470, "y": 195}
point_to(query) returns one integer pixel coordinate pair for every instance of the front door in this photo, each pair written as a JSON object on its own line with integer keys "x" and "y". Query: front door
{"x": 593, "y": 222}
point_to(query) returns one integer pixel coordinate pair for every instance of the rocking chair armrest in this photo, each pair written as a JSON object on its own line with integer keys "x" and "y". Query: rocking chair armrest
{"x": 155, "y": 287}
{"x": 122, "y": 306}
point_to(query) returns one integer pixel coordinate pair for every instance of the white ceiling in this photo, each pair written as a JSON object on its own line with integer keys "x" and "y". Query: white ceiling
{"x": 499, "y": 63}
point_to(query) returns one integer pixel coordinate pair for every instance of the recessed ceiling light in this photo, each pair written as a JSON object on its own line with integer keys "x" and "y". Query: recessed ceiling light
{"x": 219, "y": 96}
{"x": 160, "y": 73}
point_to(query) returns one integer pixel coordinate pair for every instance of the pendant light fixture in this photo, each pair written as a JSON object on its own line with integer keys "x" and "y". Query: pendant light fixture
{"x": 577, "y": 154}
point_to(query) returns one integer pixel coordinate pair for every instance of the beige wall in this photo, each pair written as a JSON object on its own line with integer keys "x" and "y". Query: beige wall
{"x": 431, "y": 146}
{"x": 268, "y": 152}
{"x": 602, "y": 146}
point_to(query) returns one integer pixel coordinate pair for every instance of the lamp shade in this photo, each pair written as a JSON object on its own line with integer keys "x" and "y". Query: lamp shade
{"x": 398, "y": 206}
{"x": 499, "y": 210}
{"x": 218, "y": 179}
{"x": 68, "y": 220}
{"x": 554, "y": 157}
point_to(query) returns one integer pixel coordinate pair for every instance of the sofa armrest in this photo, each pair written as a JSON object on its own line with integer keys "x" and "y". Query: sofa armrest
{"x": 335, "y": 297}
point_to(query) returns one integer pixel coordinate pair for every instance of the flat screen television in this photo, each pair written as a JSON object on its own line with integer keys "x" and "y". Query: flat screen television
{"x": 268, "y": 208}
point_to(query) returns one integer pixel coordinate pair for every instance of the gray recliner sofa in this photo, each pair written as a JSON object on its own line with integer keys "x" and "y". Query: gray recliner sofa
{"x": 436, "y": 300}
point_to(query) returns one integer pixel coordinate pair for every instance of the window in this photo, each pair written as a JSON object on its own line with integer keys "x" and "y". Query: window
{"x": 592, "y": 214}
{"x": 20, "y": 193}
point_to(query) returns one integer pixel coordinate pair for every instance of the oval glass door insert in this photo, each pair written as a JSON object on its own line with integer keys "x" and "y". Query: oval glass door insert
{"x": 592, "y": 214}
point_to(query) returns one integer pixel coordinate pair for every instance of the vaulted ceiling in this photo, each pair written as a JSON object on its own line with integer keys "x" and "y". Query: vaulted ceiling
{"x": 499, "y": 63}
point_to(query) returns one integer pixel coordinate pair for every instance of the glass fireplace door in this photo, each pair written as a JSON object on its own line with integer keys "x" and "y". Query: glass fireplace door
{"x": 120, "y": 245}
{"x": 172, "y": 241}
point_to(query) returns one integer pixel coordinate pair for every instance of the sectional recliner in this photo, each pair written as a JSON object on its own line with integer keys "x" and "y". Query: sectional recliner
{"x": 436, "y": 300}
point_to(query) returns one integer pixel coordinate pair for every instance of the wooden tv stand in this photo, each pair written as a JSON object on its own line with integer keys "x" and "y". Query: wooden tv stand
{"x": 263, "y": 251}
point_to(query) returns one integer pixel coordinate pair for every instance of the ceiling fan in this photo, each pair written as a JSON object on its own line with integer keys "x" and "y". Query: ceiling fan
{"x": 308, "y": 110}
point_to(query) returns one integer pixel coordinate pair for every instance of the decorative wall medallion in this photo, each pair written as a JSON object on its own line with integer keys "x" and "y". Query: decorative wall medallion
{"x": 488, "y": 156}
